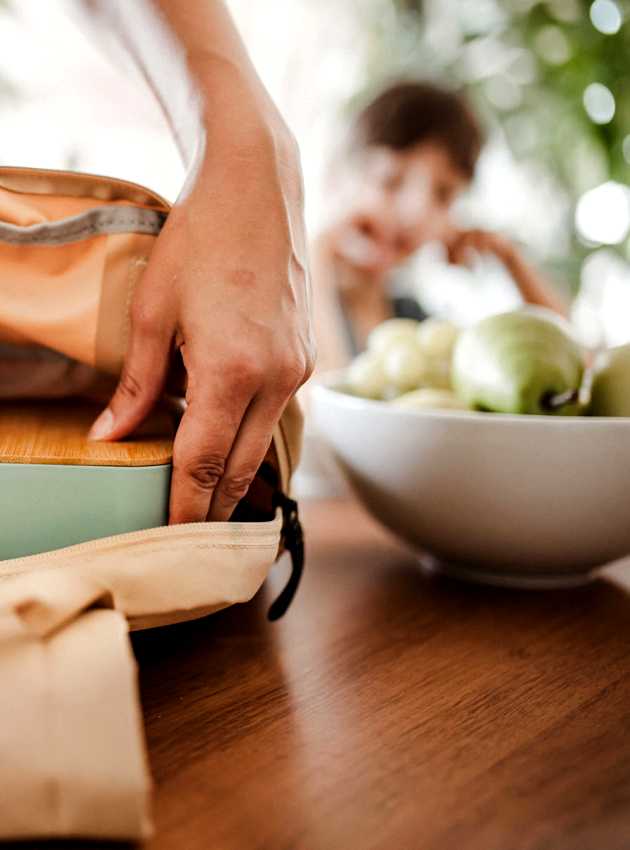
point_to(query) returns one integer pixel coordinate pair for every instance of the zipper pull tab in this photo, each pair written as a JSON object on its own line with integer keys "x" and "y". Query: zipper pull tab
{"x": 293, "y": 539}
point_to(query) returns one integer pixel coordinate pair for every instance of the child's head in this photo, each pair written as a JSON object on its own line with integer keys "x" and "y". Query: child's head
{"x": 411, "y": 151}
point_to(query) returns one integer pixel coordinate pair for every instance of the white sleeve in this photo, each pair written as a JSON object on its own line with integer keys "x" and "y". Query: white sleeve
{"x": 133, "y": 32}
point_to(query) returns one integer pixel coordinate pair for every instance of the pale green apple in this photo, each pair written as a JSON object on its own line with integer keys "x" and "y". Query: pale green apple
{"x": 518, "y": 362}
{"x": 366, "y": 377}
{"x": 437, "y": 338}
{"x": 610, "y": 388}
{"x": 430, "y": 399}
{"x": 390, "y": 332}
{"x": 404, "y": 364}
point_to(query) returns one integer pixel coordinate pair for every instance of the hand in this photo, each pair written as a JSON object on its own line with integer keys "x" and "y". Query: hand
{"x": 463, "y": 246}
{"x": 226, "y": 285}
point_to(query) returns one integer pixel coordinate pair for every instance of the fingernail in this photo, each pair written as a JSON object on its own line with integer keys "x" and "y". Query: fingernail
{"x": 102, "y": 426}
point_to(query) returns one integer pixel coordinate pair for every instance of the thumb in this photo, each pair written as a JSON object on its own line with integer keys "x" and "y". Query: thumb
{"x": 140, "y": 385}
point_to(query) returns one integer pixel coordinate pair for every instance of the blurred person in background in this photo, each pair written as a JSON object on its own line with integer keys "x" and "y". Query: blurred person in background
{"x": 410, "y": 153}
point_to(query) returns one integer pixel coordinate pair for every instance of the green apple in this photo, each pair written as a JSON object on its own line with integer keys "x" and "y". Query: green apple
{"x": 366, "y": 377}
{"x": 518, "y": 362}
{"x": 610, "y": 388}
{"x": 390, "y": 332}
{"x": 437, "y": 338}
{"x": 437, "y": 374}
{"x": 430, "y": 399}
{"x": 404, "y": 364}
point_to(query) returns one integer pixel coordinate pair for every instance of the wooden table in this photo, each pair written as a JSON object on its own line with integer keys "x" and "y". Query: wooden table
{"x": 392, "y": 711}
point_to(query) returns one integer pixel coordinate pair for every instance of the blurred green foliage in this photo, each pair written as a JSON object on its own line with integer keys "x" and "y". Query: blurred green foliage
{"x": 525, "y": 65}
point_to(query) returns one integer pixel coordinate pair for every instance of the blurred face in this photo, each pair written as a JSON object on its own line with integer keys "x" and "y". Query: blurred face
{"x": 393, "y": 202}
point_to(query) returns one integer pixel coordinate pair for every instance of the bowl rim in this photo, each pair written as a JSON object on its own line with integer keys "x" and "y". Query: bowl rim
{"x": 327, "y": 383}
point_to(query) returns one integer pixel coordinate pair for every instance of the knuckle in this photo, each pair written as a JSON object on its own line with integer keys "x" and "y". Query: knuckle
{"x": 146, "y": 319}
{"x": 205, "y": 471}
{"x": 283, "y": 386}
{"x": 244, "y": 368}
{"x": 235, "y": 487}
{"x": 293, "y": 373}
{"x": 140, "y": 315}
{"x": 311, "y": 359}
{"x": 129, "y": 387}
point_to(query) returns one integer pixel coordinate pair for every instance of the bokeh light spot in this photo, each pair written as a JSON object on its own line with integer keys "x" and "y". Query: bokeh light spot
{"x": 602, "y": 215}
{"x": 599, "y": 103}
{"x": 552, "y": 45}
{"x": 606, "y": 17}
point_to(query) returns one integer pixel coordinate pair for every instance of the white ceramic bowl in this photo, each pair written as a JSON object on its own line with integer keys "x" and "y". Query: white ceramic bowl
{"x": 529, "y": 501}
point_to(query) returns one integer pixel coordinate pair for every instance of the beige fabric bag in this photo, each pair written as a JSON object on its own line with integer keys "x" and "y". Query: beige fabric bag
{"x": 72, "y": 760}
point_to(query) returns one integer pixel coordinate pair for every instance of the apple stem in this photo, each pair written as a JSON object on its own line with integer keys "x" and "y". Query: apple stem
{"x": 554, "y": 401}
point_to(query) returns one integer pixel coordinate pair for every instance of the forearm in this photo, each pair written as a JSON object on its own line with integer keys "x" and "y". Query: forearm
{"x": 214, "y": 52}
{"x": 232, "y": 95}
{"x": 531, "y": 285}
{"x": 192, "y": 57}
{"x": 247, "y": 145}
{"x": 243, "y": 130}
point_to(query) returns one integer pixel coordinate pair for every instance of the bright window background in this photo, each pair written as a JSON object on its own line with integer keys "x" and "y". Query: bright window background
{"x": 66, "y": 105}
{"x": 63, "y": 104}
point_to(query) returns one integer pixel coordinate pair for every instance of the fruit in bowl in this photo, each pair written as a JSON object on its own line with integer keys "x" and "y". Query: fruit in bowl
{"x": 516, "y": 495}
{"x": 519, "y": 362}
{"x": 524, "y": 361}
{"x": 404, "y": 355}
{"x": 610, "y": 387}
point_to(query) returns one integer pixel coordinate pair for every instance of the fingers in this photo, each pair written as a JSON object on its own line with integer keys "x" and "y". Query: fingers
{"x": 224, "y": 435}
{"x": 462, "y": 248}
{"x": 249, "y": 449}
{"x": 465, "y": 244}
{"x": 140, "y": 384}
{"x": 202, "y": 446}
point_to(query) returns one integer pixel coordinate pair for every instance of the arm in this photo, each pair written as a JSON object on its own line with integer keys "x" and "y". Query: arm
{"x": 227, "y": 281}
{"x": 533, "y": 289}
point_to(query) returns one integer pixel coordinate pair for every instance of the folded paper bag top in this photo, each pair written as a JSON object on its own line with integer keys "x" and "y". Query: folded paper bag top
{"x": 72, "y": 248}
{"x": 72, "y": 754}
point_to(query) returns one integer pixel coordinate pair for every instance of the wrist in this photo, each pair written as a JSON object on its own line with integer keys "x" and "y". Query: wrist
{"x": 240, "y": 138}
{"x": 235, "y": 105}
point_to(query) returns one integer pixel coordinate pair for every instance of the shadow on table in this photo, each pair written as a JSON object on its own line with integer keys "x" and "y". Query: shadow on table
{"x": 403, "y": 595}
{"x": 235, "y": 631}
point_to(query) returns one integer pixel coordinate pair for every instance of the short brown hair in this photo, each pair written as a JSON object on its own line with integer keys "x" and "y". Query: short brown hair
{"x": 408, "y": 113}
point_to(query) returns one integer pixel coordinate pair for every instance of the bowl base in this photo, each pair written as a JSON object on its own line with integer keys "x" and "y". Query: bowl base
{"x": 515, "y": 580}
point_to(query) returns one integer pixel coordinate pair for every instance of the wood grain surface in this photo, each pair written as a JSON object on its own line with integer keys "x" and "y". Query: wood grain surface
{"x": 390, "y": 709}
{"x": 55, "y": 432}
